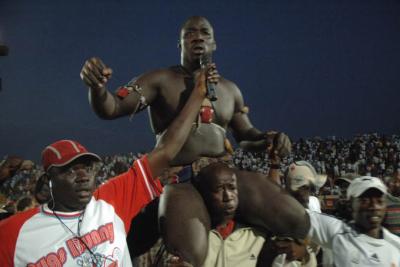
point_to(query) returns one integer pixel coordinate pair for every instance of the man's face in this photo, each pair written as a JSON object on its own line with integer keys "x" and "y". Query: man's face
{"x": 73, "y": 185}
{"x": 222, "y": 197}
{"x": 197, "y": 39}
{"x": 369, "y": 209}
{"x": 302, "y": 195}
{"x": 43, "y": 195}
{"x": 394, "y": 184}
{"x": 343, "y": 185}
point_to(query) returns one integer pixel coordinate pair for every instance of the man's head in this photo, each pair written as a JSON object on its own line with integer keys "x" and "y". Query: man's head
{"x": 394, "y": 184}
{"x": 367, "y": 195}
{"x": 71, "y": 169}
{"x": 344, "y": 182}
{"x": 300, "y": 181}
{"x": 25, "y": 203}
{"x": 217, "y": 185}
{"x": 196, "y": 40}
{"x": 42, "y": 192}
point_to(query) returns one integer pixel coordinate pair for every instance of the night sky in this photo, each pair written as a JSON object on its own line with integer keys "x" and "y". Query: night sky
{"x": 309, "y": 68}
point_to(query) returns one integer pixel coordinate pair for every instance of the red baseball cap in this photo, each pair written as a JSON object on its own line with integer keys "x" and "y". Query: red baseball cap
{"x": 64, "y": 152}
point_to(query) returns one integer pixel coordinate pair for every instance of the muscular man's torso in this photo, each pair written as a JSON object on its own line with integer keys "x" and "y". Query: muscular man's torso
{"x": 206, "y": 139}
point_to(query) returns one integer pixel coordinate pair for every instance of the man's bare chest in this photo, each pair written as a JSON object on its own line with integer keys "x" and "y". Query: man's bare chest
{"x": 173, "y": 96}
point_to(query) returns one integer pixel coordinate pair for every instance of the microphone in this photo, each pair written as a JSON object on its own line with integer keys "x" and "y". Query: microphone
{"x": 211, "y": 94}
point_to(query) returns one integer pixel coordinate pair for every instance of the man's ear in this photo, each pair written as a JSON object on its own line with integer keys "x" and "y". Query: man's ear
{"x": 214, "y": 46}
{"x": 179, "y": 44}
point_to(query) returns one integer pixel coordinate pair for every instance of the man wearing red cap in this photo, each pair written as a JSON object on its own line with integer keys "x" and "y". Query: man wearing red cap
{"x": 83, "y": 227}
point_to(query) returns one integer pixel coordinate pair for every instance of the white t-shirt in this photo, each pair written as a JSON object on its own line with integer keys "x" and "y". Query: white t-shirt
{"x": 351, "y": 248}
{"x": 313, "y": 204}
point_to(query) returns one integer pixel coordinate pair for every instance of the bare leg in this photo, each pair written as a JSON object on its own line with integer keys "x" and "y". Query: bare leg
{"x": 265, "y": 204}
{"x": 184, "y": 223}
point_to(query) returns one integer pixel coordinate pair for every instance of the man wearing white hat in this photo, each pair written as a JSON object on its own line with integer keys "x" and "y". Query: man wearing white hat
{"x": 300, "y": 178}
{"x": 362, "y": 242}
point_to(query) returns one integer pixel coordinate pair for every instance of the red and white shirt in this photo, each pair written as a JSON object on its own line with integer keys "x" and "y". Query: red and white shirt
{"x": 37, "y": 238}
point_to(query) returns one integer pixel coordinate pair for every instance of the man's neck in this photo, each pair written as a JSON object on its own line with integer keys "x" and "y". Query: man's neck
{"x": 374, "y": 233}
{"x": 225, "y": 228}
{"x": 191, "y": 66}
{"x": 63, "y": 208}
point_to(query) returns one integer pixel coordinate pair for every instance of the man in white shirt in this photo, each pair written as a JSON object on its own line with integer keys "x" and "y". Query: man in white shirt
{"x": 300, "y": 179}
{"x": 362, "y": 242}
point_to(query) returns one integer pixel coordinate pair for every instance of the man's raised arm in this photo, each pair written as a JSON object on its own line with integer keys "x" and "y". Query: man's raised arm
{"x": 177, "y": 132}
{"x": 95, "y": 74}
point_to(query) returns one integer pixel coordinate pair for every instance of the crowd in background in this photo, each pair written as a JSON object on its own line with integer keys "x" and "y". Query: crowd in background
{"x": 368, "y": 154}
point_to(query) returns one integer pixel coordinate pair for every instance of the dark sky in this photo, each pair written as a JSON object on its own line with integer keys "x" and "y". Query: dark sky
{"x": 304, "y": 67}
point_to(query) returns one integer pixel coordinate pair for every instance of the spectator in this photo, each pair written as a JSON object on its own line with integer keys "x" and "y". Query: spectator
{"x": 301, "y": 178}
{"x": 392, "y": 218}
{"x": 25, "y": 203}
{"x": 230, "y": 242}
{"x": 342, "y": 207}
{"x": 85, "y": 228}
{"x": 364, "y": 242}
{"x": 42, "y": 191}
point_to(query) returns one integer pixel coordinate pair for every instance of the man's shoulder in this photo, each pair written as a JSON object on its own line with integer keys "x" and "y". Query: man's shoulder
{"x": 154, "y": 75}
{"x": 391, "y": 238}
{"x": 327, "y": 222}
{"x": 228, "y": 83}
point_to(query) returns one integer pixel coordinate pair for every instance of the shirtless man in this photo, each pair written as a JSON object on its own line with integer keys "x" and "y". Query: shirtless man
{"x": 165, "y": 91}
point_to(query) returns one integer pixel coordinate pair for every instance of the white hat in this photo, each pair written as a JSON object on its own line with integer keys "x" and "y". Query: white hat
{"x": 361, "y": 184}
{"x": 302, "y": 173}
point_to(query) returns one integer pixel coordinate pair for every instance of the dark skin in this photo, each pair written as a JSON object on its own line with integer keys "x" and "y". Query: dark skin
{"x": 72, "y": 190}
{"x": 302, "y": 195}
{"x": 394, "y": 184}
{"x": 218, "y": 186}
{"x": 73, "y": 184}
{"x": 166, "y": 90}
{"x": 369, "y": 211}
{"x": 220, "y": 193}
{"x": 261, "y": 203}
{"x": 293, "y": 248}
{"x": 42, "y": 191}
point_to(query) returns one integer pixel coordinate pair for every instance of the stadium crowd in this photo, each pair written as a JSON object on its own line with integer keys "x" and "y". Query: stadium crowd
{"x": 367, "y": 154}
{"x": 24, "y": 185}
